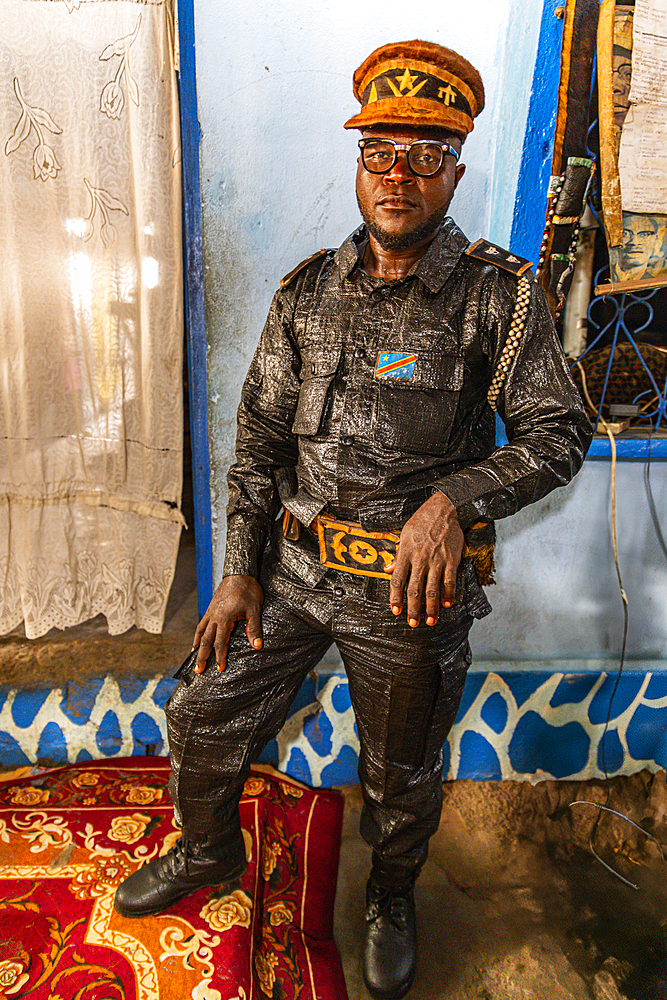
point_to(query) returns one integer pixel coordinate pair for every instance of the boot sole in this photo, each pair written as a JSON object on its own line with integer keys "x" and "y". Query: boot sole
{"x": 229, "y": 883}
{"x": 396, "y": 994}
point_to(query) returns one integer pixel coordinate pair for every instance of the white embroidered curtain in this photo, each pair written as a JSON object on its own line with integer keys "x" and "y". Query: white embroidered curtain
{"x": 91, "y": 313}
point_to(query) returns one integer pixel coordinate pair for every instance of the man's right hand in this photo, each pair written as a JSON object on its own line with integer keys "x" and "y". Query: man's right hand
{"x": 238, "y": 598}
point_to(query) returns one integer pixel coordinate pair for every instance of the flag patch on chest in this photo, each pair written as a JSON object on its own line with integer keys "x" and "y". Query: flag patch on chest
{"x": 392, "y": 365}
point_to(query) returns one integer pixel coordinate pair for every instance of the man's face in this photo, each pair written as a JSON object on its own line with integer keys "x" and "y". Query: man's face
{"x": 639, "y": 239}
{"x": 399, "y": 208}
{"x": 621, "y": 79}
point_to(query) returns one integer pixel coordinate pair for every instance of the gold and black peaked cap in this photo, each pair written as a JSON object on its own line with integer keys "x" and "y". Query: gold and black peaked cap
{"x": 420, "y": 84}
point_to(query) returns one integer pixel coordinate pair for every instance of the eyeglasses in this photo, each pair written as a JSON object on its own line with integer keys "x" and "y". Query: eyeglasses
{"x": 424, "y": 156}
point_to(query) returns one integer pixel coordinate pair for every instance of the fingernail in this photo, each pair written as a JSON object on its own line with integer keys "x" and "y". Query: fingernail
{"x": 447, "y": 604}
{"x": 257, "y": 643}
{"x": 430, "y": 620}
{"x": 413, "y": 622}
{"x": 395, "y": 608}
{"x": 220, "y": 668}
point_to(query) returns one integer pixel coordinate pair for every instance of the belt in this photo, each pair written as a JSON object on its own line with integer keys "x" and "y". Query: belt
{"x": 346, "y": 546}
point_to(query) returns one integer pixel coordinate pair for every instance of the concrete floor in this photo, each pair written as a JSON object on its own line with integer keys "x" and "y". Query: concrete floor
{"x": 502, "y": 917}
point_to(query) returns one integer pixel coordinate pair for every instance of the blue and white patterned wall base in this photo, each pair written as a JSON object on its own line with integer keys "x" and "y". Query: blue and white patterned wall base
{"x": 519, "y": 724}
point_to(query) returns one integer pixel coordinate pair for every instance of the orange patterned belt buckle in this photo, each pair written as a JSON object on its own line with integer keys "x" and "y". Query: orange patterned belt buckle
{"x": 345, "y": 546}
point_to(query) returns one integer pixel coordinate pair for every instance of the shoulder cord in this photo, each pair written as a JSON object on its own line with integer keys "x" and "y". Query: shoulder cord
{"x": 517, "y": 325}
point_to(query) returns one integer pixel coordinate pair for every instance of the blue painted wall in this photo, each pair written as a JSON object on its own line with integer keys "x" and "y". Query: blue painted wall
{"x": 194, "y": 301}
{"x": 531, "y": 195}
{"x": 517, "y": 97}
{"x": 512, "y": 724}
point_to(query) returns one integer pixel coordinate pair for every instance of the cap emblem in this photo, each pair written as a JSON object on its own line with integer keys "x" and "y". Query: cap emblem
{"x": 408, "y": 84}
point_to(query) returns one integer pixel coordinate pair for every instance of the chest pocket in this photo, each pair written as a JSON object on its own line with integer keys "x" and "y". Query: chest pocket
{"x": 417, "y": 414}
{"x": 318, "y": 369}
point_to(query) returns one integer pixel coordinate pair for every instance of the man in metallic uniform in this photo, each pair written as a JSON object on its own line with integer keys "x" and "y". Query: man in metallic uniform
{"x": 368, "y": 414}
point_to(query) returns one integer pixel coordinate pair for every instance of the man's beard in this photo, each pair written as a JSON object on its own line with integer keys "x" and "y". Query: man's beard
{"x": 403, "y": 241}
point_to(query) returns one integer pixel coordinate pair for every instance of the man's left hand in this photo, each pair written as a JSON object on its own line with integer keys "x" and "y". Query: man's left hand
{"x": 428, "y": 557}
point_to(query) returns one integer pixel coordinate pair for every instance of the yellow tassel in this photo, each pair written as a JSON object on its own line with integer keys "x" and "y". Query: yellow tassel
{"x": 480, "y": 545}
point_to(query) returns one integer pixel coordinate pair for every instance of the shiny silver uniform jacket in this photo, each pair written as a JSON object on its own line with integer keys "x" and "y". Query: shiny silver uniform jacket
{"x": 318, "y": 431}
{"x": 373, "y": 448}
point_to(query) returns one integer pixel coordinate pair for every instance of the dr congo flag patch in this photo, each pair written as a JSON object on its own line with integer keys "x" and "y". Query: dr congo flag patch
{"x": 392, "y": 365}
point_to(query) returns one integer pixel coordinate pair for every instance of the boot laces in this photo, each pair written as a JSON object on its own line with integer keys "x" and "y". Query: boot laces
{"x": 390, "y": 903}
{"x": 179, "y": 855}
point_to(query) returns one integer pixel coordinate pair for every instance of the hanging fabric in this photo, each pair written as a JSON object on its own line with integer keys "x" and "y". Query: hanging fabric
{"x": 91, "y": 310}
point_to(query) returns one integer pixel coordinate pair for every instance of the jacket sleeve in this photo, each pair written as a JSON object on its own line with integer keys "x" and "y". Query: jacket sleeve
{"x": 548, "y": 430}
{"x": 264, "y": 441}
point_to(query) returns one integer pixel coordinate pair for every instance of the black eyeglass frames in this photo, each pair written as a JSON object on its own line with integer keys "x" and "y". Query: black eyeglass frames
{"x": 425, "y": 156}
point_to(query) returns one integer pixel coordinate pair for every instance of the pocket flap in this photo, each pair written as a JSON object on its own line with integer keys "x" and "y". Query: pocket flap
{"x": 318, "y": 368}
{"x": 318, "y": 362}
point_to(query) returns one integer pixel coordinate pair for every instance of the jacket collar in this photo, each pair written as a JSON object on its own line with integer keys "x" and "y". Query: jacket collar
{"x": 442, "y": 256}
{"x": 348, "y": 254}
{"x": 433, "y": 269}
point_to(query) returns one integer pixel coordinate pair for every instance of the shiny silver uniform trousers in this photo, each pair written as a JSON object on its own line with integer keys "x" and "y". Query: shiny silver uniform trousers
{"x": 405, "y": 686}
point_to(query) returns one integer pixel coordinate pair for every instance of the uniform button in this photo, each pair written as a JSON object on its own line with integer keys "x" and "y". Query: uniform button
{"x": 378, "y": 294}
{"x": 360, "y": 352}
{"x": 339, "y": 592}
{"x": 348, "y": 439}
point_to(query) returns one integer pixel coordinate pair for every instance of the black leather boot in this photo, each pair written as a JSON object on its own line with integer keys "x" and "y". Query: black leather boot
{"x": 390, "y": 948}
{"x": 184, "y": 869}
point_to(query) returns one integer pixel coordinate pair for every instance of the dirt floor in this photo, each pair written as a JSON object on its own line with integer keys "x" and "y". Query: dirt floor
{"x": 513, "y": 906}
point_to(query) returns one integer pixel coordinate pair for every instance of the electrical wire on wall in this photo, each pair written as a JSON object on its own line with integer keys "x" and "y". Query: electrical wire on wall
{"x": 624, "y": 598}
{"x": 651, "y": 501}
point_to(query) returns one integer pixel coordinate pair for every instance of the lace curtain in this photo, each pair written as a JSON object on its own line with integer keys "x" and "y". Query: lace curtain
{"x": 91, "y": 309}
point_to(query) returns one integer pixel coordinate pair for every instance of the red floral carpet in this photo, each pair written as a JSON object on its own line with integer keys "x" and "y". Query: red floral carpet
{"x": 69, "y": 835}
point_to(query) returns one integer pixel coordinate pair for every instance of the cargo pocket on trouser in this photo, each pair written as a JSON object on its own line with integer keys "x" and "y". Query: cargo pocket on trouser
{"x": 417, "y": 414}
{"x": 318, "y": 370}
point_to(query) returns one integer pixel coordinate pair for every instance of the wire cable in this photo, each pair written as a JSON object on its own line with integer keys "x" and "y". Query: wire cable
{"x": 651, "y": 501}
{"x": 624, "y": 597}
{"x": 599, "y": 806}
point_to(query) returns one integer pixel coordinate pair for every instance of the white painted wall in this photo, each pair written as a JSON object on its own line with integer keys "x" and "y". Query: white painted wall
{"x": 519, "y": 49}
{"x": 557, "y": 594}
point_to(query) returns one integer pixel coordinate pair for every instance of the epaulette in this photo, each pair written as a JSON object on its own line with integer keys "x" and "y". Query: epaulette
{"x": 491, "y": 254}
{"x": 289, "y": 278}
